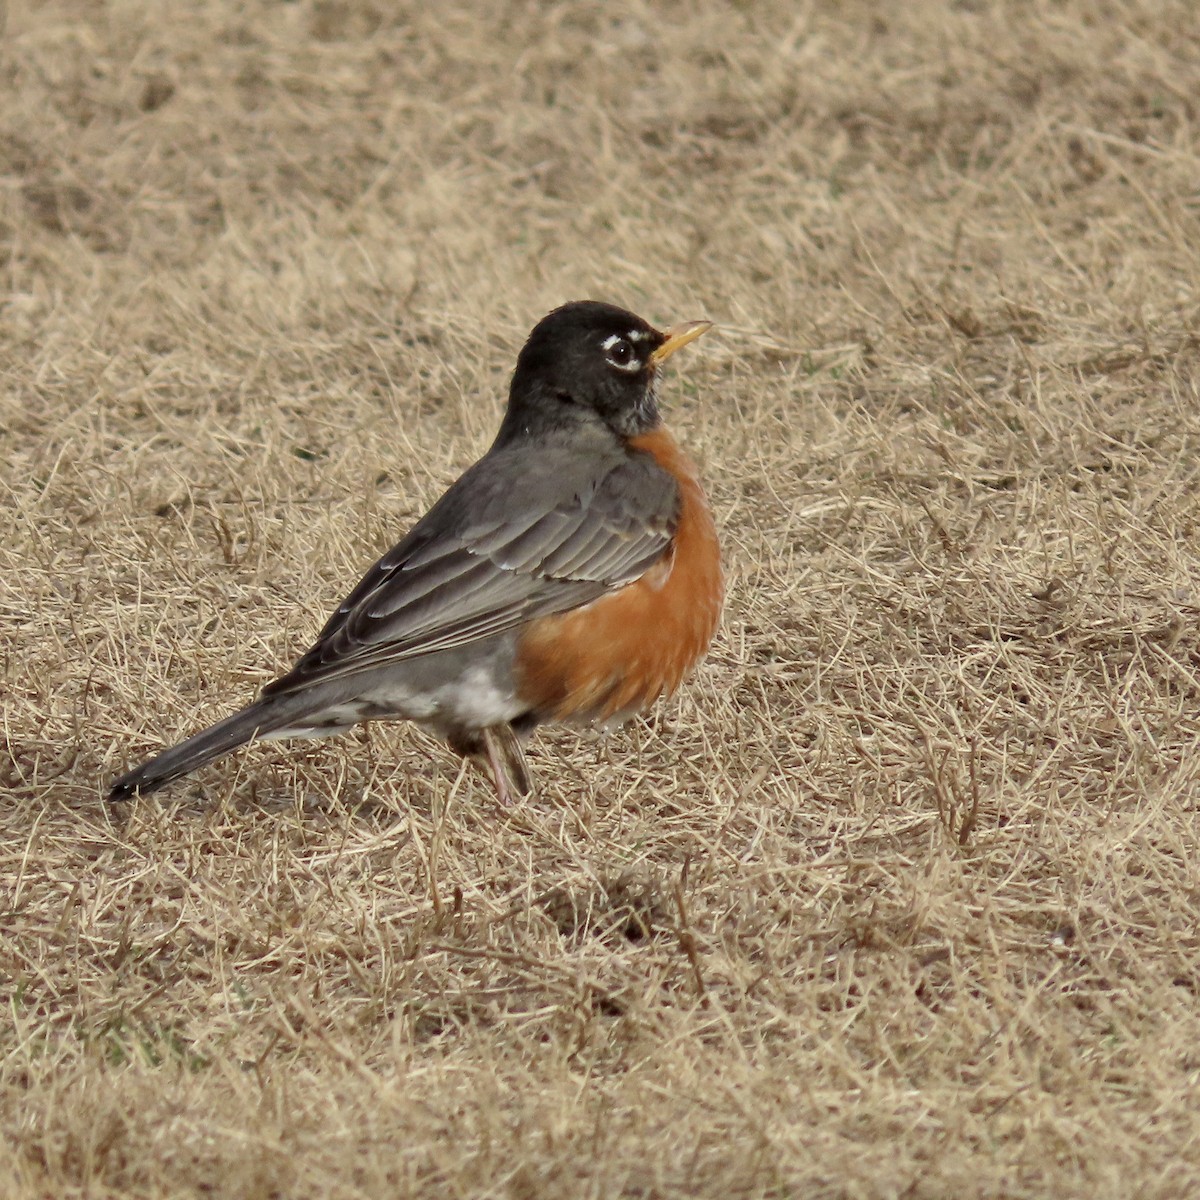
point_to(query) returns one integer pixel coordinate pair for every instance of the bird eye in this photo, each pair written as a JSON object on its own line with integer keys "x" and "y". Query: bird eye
{"x": 620, "y": 353}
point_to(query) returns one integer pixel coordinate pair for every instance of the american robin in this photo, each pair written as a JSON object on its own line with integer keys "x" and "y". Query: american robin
{"x": 572, "y": 574}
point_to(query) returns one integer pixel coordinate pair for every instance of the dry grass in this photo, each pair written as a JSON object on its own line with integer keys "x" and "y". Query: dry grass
{"x": 901, "y": 899}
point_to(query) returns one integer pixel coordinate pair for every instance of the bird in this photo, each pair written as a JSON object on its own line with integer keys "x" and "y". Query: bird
{"x": 572, "y": 574}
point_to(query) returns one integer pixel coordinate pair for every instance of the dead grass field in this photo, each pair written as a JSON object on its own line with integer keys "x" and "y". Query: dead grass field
{"x": 901, "y": 898}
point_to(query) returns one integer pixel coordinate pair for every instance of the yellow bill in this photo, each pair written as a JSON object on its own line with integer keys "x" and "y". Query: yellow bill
{"x": 678, "y": 336}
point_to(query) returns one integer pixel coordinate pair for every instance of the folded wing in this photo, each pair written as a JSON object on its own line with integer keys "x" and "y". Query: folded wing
{"x": 492, "y": 555}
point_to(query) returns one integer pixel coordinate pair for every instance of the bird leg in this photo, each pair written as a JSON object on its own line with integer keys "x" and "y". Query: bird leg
{"x": 506, "y": 762}
{"x": 494, "y": 748}
{"x": 498, "y": 753}
{"x": 515, "y": 761}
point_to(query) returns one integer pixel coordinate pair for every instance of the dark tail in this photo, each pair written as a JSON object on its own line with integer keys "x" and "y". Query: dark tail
{"x": 261, "y": 719}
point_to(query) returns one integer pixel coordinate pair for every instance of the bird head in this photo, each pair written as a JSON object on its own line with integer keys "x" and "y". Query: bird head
{"x": 589, "y": 361}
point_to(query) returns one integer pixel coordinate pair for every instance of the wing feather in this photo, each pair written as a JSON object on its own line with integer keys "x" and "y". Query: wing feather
{"x": 490, "y": 556}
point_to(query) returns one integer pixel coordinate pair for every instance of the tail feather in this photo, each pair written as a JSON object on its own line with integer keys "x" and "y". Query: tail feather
{"x": 260, "y": 720}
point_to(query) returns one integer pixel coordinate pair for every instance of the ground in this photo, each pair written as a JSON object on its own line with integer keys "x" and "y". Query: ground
{"x": 901, "y": 896}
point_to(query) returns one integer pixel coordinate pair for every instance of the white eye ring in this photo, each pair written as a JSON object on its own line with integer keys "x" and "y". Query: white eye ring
{"x": 620, "y": 353}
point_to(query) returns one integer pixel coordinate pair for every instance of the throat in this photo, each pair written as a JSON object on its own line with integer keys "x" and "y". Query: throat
{"x": 643, "y": 418}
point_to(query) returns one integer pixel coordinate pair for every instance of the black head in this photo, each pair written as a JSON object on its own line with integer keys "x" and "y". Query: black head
{"x": 590, "y": 361}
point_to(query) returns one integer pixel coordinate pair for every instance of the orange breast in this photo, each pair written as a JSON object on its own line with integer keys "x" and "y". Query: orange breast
{"x": 620, "y": 653}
